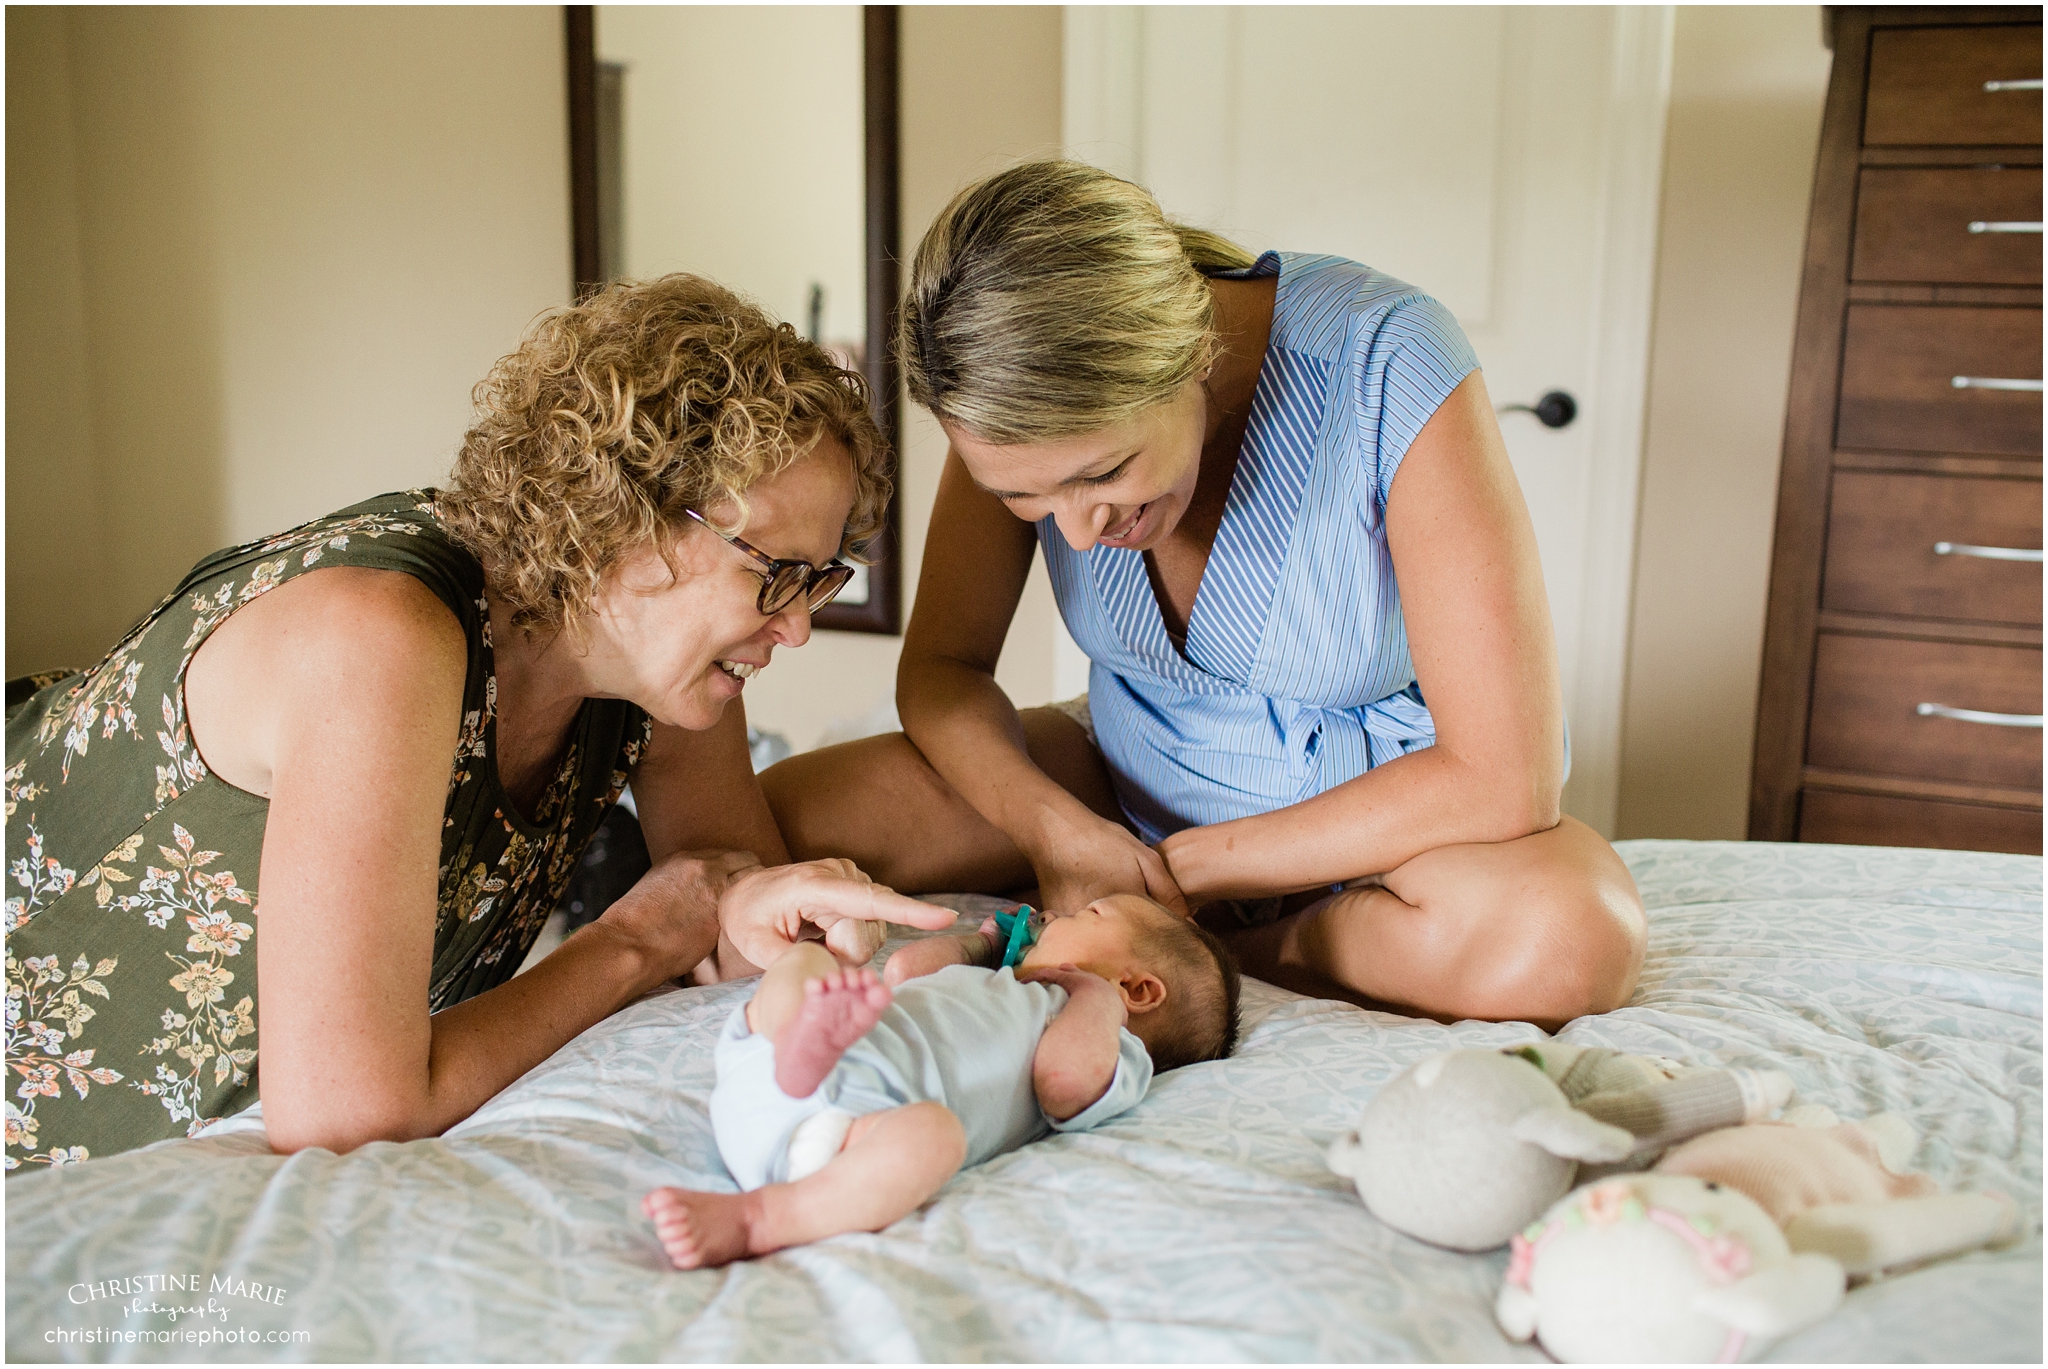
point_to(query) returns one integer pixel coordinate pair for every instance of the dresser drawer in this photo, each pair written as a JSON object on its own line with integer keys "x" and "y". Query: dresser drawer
{"x": 1866, "y": 696}
{"x": 1913, "y": 224}
{"x": 1883, "y": 820}
{"x": 1899, "y": 366}
{"x": 1927, "y": 86}
{"x": 1883, "y": 529}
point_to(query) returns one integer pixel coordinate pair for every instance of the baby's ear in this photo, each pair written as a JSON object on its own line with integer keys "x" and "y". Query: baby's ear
{"x": 1142, "y": 991}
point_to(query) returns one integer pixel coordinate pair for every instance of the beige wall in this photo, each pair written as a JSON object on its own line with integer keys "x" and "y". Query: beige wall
{"x": 52, "y": 473}
{"x": 1747, "y": 85}
{"x": 256, "y": 260}
{"x": 981, "y": 88}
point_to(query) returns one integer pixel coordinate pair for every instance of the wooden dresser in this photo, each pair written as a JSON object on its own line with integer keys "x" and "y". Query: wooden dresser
{"x": 1901, "y": 694}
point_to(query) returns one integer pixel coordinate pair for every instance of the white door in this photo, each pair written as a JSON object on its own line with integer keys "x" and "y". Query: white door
{"x": 1505, "y": 159}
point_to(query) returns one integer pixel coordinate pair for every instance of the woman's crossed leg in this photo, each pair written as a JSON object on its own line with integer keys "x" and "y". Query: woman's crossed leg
{"x": 1541, "y": 929}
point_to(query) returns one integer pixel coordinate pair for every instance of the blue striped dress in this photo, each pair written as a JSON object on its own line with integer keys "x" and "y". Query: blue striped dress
{"x": 1296, "y": 675}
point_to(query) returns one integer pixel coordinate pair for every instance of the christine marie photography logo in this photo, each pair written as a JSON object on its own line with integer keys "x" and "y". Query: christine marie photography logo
{"x": 175, "y": 1309}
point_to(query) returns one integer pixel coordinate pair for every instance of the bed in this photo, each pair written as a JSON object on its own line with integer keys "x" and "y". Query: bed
{"x": 1203, "y": 1225}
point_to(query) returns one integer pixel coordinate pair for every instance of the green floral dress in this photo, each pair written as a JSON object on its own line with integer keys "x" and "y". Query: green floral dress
{"x": 133, "y": 871}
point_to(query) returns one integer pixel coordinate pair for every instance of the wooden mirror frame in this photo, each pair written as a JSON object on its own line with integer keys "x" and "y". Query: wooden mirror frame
{"x": 883, "y": 612}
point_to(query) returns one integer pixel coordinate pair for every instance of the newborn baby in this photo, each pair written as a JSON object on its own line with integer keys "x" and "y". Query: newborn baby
{"x": 841, "y": 1106}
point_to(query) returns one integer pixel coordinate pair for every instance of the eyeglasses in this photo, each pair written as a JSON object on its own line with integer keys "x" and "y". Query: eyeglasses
{"x": 782, "y": 581}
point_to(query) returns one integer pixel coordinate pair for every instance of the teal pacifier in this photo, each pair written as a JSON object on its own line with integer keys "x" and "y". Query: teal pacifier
{"x": 1019, "y": 931}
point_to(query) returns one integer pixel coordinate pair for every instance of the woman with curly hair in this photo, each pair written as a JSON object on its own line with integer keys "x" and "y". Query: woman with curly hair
{"x": 1324, "y": 709}
{"x": 413, "y": 714}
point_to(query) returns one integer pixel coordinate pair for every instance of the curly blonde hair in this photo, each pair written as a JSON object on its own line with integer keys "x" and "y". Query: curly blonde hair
{"x": 616, "y": 414}
{"x": 1053, "y": 299}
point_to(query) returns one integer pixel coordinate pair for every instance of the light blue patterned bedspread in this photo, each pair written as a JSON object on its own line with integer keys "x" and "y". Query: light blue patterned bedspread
{"x": 1202, "y": 1225}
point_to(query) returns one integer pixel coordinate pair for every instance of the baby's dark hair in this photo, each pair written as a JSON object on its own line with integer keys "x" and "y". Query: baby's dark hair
{"x": 1201, "y": 1020}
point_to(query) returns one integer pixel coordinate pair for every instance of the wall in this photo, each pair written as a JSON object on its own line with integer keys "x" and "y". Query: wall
{"x": 51, "y": 471}
{"x": 1746, "y": 93}
{"x": 981, "y": 89}
{"x": 257, "y": 259}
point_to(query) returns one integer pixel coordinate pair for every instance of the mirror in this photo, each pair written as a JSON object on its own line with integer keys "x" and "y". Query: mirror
{"x": 755, "y": 145}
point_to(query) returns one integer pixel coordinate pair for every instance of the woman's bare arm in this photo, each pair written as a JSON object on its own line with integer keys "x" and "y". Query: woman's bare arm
{"x": 1485, "y": 655}
{"x": 696, "y": 791}
{"x": 339, "y": 696}
{"x": 976, "y": 559}
{"x": 702, "y": 810}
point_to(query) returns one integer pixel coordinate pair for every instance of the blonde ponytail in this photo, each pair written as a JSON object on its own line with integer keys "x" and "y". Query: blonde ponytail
{"x": 1212, "y": 251}
{"x": 1054, "y": 299}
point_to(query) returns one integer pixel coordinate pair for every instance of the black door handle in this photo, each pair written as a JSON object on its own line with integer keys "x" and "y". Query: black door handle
{"x": 1555, "y": 410}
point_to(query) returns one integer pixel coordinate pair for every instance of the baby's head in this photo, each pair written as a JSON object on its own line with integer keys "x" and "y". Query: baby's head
{"x": 1179, "y": 983}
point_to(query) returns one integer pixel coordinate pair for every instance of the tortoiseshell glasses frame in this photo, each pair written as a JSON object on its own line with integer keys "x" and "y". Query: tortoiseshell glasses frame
{"x": 783, "y": 581}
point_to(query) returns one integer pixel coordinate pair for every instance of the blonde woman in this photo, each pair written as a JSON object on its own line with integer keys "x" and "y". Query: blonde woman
{"x": 413, "y": 714}
{"x": 1324, "y": 708}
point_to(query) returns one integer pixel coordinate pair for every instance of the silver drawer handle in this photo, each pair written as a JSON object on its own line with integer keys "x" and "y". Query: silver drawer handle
{"x": 1995, "y": 86}
{"x": 1987, "y": 553}
{"x": 2004, "y": 226}
{"x": 1971, "y": 715}
{"x": 1995, "y": 383}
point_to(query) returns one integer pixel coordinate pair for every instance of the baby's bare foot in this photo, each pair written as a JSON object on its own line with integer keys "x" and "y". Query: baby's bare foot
{"x": 698, "y": 1229}
{"x": 838, "y": 1010}
{"x": 935, "y": 953}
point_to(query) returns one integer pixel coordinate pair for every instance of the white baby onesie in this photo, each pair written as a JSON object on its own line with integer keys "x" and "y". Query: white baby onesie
{"x": 964, "y": 1037}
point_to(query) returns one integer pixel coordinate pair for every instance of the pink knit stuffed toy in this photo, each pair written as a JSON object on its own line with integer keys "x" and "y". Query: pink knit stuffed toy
{"x": 1842, "y": 1189}
{"x": 1736, "y": 1238}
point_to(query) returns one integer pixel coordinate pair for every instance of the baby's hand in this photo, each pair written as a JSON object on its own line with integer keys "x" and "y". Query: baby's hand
{"x": 854, "y": 940}
{"x": 1080, "y": 984}
{"x": 935, "y": 953}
